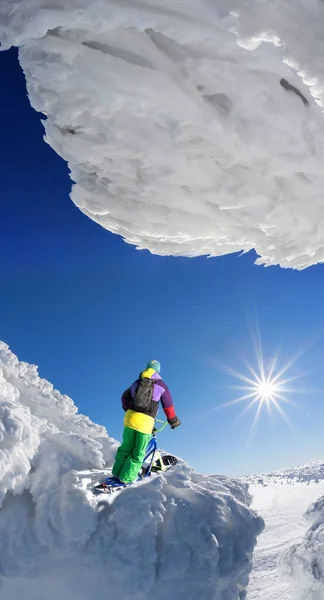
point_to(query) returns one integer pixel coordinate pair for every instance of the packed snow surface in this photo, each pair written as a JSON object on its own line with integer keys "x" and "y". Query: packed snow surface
{"x": 181, "y": 535}
{"x": 288, "y": 561}
{"x": 191, "y": 127}
{"x": 303, "y": 562}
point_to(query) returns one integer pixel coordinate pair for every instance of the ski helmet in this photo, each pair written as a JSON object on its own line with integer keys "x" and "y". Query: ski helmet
{"x": 154, "y": 364}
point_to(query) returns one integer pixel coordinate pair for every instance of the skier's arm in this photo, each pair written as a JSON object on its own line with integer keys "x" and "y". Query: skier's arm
{"x": 167, "y": 405}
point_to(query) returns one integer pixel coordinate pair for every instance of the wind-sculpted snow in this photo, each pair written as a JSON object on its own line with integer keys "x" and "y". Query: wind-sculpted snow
{"x": 303, "y": 563}
{"x": 307, "y": 473}
{"x": 190, "y": 126}
{"x": 181, "y": 535}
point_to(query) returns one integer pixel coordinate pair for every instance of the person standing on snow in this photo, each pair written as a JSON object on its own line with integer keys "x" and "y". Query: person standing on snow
{"x": 141, "y": 403}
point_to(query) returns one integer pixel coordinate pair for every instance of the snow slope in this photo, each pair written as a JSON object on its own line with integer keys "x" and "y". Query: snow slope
{"x": 181, "y": 535}
{"x": 190, "y": 126}
{"x": 282, "y": 563}
{"x": 303, "y": 563}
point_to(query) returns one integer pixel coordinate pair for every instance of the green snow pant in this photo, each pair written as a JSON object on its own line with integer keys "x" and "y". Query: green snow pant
{"x": 130, "y": 455}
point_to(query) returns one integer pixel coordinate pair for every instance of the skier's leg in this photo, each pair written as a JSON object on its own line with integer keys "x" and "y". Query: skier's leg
{"x": 124, "y": 451}
{"x": 134, "y": 461}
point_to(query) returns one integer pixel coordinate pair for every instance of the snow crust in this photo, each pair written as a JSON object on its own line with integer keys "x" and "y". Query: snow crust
{"x": 191, "y": 127}
{"x": 182, "y": 535}
{"x": 289, "y": 559}
{"x": 282, "y": 503}
{"x": 303, "y": 563}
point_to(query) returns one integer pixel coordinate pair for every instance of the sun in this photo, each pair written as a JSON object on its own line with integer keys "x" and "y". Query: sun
{"x": 265, "y": 386}
{"x": 266, "y": 390}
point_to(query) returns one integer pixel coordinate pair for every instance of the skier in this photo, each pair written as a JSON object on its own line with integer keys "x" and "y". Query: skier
{"x": 141, "y": 403}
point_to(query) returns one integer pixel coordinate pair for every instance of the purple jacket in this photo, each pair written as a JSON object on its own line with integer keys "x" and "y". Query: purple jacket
{"x": 160, "y": 393}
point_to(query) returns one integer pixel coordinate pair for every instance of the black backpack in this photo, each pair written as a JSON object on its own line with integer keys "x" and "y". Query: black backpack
{"x": 143, "y": 397}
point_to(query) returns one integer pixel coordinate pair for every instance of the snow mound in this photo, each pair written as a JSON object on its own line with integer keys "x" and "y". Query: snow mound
{"x": 304, "y": 563}
{"x": 181, "y": 535}
{"x": 191, "y": 127}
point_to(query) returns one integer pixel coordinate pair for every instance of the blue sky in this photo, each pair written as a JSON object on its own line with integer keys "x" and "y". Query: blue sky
{"x": 79, "y": 302}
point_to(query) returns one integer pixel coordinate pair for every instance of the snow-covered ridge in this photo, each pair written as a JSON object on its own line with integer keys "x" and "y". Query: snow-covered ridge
{"x": 191, "y": 126}
{"x": 178, "y": 536}
{"x": 302, "y": 474}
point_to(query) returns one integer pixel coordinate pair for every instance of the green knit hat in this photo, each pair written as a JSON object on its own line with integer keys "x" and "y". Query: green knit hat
{"x": 154, "y": 364}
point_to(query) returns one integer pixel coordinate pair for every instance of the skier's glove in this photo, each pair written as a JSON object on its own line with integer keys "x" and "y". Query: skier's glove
{"x": 174, "y": 422}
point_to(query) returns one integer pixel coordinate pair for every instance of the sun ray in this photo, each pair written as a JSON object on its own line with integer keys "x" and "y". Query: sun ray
{"x": 283, "y": 399}
{"x": 241, "y": 387}
{"x": 290, "y": 402}
{"x": 289, "y": 363}
{"x": 239, "y": 375}
{"x": 301, "y": 391}
{"x": 258, "y": 351}
{"x": 256, "y": 418}
{"x": 237, "y": 400}
{"x": 282, "y": 412}
{"x": 250, "y": 405}
{"x": 254, "y": 373}
{"x": 272, "y": 367}
{"x": 284, "y": 381}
